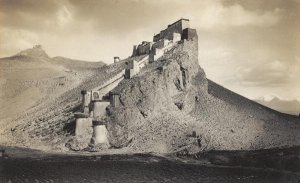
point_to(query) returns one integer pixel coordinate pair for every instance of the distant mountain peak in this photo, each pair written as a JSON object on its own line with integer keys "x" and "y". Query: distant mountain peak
{"x": 268, "y": 97}
{"x": 38, "y": 46}
{"x": 35, "y": 51}
{"x": 274, "y": 97}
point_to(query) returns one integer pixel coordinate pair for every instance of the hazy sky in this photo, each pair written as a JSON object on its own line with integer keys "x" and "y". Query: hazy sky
{"x": 249, "y": 46}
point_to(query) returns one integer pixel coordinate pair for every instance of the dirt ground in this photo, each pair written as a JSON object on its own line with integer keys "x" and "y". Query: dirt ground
{"x": 217, "y": 166}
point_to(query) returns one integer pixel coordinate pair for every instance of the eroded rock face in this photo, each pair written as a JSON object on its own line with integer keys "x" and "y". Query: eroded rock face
{"x": 163, "y": 93}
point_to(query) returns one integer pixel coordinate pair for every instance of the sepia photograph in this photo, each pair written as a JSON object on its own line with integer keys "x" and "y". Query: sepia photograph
{"x": 132, "y": 91}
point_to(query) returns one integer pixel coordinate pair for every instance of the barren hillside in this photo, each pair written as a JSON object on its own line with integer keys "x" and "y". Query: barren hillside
{"x": 31, "y": 78}
{"x": 169, "y": 106}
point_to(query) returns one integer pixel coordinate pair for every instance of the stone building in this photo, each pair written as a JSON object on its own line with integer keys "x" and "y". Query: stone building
{"x": 176, "y": 27}
{"x": 189, "y": 33}
{"x": 160, "y": 44}
{"x": 144, "y": 48}
{"x": 132, "y": 68}
{"x": 173, "y": 33}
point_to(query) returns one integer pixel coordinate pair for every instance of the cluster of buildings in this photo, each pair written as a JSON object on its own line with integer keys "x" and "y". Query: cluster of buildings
{"x": 94, "y": 104}
{"x": 175, "y": 32}
{"x": 162, "y": 42}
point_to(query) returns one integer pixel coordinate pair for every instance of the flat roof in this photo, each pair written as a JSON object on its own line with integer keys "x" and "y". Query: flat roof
{"x": 185, "y": 19}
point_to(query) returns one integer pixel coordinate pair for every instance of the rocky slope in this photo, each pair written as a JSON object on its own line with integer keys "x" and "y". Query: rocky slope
{"x": 171, "y": 106}
{"x": 31, "y": 78}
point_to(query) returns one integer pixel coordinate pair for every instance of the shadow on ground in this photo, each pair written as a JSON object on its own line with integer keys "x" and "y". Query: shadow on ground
{"x": 276, "y": 165}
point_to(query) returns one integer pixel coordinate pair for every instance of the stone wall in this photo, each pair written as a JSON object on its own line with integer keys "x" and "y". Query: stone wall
{"x": 176, "y": 37}
{"x": 158, "y": 53}
{"x": 84, "y": 127}
{"x": 144, "y": 48}
{"x": 112, "y": 81}
{"x": 189, "y": 34}
{"x": 142, "y": 63}
{"x": 132, "y": 69}
{"x": 100, "y": 135}
{"x": 156, "y": 37}
{"x": 160, "y": 44}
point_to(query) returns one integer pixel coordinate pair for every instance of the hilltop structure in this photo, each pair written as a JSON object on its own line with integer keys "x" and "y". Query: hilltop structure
{"x": 162, "y": 42}
{"x": 175, "y": 32}
{"x": 88, "y": 120}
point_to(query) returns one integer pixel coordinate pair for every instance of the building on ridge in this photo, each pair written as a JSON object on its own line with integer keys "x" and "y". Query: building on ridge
{"x": 176, "y": 27}
{"x": 175, "y": 32}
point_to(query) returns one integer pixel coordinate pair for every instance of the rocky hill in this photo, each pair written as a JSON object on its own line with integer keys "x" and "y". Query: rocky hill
{"x": 169, "y": 106}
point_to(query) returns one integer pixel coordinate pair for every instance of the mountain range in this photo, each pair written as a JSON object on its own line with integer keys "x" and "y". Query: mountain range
{"x": 282, "y": 105}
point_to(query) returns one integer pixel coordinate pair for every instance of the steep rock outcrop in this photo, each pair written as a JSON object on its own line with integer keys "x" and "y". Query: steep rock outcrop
{"x": 170, "y": 106}
{"x": 155, "y": 104}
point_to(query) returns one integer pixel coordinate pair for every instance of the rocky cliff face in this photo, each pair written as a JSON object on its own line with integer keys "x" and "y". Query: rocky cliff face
{"x": 170, "y": 106}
